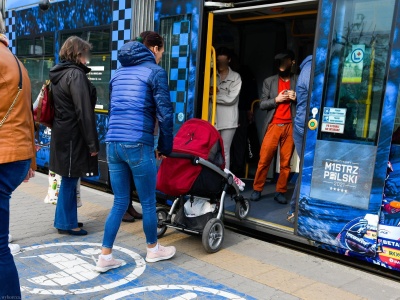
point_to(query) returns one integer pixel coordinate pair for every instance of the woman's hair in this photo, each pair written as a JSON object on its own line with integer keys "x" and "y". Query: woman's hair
{"x": 224, "y": 51}
{"x": 151, "y": 39}
{"x": 73, "y": 49}
{"x": 2, "y": 25}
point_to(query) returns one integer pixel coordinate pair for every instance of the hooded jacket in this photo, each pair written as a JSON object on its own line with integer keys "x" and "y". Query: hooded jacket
{"x": 16, "y": 133}
{"x": 140, "y": 95}
{"x": 302, "y": 88}
{"x": 74, "y": 133}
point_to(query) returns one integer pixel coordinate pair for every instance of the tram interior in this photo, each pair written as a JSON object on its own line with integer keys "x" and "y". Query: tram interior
{"x": 255, "y": 37}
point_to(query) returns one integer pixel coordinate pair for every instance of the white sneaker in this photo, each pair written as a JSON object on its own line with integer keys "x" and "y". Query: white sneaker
{"x": 162, "y": 253}
{"x": 14, "y": 248}
{"x": 103, "y": 265}
{"x": 10, "y": 239}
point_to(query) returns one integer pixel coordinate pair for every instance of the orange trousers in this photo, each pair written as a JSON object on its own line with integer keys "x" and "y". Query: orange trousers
{"x": 277, "y": 134}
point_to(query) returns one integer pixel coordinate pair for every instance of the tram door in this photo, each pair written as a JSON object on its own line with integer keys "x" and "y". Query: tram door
{"x": 354, "y": 90}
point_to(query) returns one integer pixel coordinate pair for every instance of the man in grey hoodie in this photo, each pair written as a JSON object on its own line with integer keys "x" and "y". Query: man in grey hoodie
{"x": 302, "y": 88}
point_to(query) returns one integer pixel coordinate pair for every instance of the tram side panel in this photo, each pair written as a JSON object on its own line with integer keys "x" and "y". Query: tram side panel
{"x": 341, "y": 205}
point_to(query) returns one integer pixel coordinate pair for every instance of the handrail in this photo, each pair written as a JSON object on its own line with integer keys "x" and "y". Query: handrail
{"x": 246, "y": 172}
{"x": 369, "y": 95}
{"x": 284, "y": 15}
{"x": 254, "y": 103}
{"x": 207, "y": 70}
{"x": 214, "y": 96}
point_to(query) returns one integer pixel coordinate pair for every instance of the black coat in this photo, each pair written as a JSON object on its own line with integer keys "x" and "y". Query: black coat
{"x": 74, "y": 134}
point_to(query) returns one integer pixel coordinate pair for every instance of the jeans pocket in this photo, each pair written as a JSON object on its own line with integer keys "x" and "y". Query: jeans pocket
{"x": 133, "y": 153}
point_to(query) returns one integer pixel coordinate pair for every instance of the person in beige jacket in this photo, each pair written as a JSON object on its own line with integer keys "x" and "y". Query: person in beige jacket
{"x": 17, "y": 152}
{"x": 228, "y": 89}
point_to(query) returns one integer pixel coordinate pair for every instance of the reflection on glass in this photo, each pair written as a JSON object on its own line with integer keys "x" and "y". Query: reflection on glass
{"x": 357, "y": 70}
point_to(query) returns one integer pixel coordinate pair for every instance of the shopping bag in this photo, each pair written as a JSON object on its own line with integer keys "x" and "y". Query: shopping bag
{"x": 54, "y": 188}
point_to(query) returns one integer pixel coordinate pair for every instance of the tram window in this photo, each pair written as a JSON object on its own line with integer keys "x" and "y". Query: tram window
{"x": 38, "y": 69}
{"x": 100, "y": 61}
{"x": 357, "y": 68}
{"x": 100, "y": 39}
{"x": 176, "y": 33}
{"x": 100, "y": 77}
{"x": 41, "y": 45}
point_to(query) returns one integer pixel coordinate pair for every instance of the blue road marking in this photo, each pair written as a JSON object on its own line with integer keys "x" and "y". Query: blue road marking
{"x": 63, "y": 269}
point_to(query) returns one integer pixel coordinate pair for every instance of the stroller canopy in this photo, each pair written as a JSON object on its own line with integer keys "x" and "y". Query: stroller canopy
{"x": 198, "y": 138}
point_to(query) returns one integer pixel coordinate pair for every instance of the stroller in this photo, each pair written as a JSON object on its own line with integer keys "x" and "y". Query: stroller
{"x": 194, "y": 174}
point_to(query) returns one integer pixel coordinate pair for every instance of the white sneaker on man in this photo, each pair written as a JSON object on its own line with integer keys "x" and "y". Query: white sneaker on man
{"x": 10, "y": 239}
{"x": 163, "y": 253}
{"x": 14, "y": 248}
{"x": 104, "y": 265}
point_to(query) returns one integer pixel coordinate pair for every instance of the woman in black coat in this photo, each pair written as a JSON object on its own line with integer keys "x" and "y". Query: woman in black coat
{"x": 74, "y": 142}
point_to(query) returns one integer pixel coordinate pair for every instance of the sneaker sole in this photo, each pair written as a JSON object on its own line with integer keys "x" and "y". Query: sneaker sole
{"x": 105, "y": 269}
{"x": 159, "y": 258}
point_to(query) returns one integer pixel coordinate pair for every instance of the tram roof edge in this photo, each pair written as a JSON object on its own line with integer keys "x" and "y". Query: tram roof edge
{"x": 23, "y": 4}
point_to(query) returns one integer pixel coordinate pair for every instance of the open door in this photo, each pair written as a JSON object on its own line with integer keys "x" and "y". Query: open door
{"x": 348, "y": 134}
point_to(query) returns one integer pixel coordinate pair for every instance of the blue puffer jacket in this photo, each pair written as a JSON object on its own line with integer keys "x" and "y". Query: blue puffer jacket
{"x": 140, "y": 95}
{"x": 303, "y": 83}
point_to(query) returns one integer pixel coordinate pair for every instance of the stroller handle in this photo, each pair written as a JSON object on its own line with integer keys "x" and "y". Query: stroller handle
{"x": 182, "y": 155}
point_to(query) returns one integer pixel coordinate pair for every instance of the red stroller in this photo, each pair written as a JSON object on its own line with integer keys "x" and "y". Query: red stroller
{"x": 194, "y": 173}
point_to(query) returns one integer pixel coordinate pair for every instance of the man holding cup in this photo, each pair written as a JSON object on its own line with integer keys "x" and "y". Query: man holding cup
{"x": 278, "y": 98}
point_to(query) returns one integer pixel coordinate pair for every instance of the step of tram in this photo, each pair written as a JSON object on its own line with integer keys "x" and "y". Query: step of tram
{"x": 53, "y": 266}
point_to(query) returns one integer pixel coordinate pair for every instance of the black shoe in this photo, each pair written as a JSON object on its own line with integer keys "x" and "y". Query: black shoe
{"x": 255, "y": 196}
{"x": 134, "y": 213}
{"x": 73, "y": 232}
{"x": 128, "y": 218}
{"x": 80, "y": 224}
{"x": 280, "y": 198}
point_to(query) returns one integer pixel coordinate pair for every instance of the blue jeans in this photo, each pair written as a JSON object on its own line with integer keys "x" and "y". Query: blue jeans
{"x": 138, "y": 159}
{"x": 11, "y": 176}
{"x": 298, "y": 144}
{"x": 67, "y": 211}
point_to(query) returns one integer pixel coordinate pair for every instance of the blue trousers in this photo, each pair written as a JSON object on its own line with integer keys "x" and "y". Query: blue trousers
{"x": 66, "y": 216}
{"x": 11, "y": 176}
{"x": 137, "y": 159}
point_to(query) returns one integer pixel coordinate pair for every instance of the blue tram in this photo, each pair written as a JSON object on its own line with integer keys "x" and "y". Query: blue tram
{"x": 349, "y": 167}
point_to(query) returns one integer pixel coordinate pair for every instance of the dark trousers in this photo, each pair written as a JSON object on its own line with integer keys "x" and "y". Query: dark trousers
{"x": 11, "y": 176}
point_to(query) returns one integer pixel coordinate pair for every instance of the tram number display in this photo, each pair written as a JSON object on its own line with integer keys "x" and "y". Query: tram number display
{"x": 342, "y": 173}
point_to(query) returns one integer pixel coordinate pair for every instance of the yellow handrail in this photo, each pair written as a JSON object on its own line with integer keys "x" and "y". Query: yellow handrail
{"x": 207, "y": 70}
{"x": 214, "y": 103}
{"x": 292, "y": 14}
{"x": 369, "y": 95}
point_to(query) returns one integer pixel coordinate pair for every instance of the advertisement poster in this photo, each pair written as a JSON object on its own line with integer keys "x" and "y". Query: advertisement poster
{"x": 342, "y": 173}
{"x": 353, "y": 65}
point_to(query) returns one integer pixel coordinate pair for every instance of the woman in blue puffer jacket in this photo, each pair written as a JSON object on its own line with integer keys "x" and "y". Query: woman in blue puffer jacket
{"x": 139, "y": 96}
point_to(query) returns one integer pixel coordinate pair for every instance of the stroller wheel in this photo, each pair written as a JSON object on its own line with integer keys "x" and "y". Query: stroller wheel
{"x": 242, "y": 208}
{"x": 161, "y": 217}
{"x": 213, "y": 235}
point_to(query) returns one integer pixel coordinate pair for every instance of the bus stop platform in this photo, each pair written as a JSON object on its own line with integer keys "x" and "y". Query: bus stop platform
{"x": 54, "y": 266}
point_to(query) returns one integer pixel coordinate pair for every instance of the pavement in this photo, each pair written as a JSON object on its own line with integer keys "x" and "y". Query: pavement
{"x": 54, "y": 266}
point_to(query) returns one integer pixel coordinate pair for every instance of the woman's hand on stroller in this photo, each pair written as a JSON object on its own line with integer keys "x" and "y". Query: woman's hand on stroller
{"x": 159, "y": 155}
